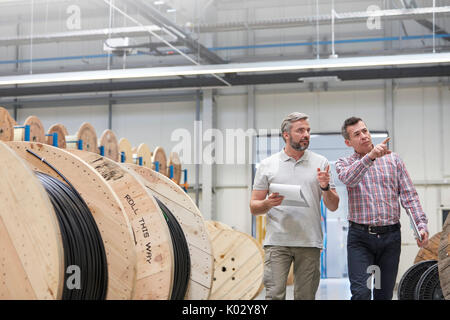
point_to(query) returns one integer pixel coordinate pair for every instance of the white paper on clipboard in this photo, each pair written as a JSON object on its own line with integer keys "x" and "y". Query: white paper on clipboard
{"x": 414, "y": 225}
{"x": 293, "y": 195}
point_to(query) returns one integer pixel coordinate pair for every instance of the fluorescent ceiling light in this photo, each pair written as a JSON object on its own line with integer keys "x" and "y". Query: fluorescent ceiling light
{"x": 255, "y": 67}
{"x": 319, "y": 79}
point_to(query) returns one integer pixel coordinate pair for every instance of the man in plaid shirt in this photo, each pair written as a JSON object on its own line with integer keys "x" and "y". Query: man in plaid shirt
{"x": 376, "y": 180}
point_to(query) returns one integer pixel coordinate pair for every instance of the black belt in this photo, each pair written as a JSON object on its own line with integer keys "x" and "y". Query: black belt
{"x": 375, "y": 229}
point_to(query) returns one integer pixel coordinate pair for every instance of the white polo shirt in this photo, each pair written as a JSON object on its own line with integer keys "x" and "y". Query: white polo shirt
{"x": 288, "y": 225}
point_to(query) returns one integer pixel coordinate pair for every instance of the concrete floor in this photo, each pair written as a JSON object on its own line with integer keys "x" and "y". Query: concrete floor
{"x": 329, "y": 289}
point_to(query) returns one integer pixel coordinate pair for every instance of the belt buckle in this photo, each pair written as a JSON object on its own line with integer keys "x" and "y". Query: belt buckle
{"x": 370, "y": 232}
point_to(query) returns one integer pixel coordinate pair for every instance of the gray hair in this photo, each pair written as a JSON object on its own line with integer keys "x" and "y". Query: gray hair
{"x": 287, "y": 122}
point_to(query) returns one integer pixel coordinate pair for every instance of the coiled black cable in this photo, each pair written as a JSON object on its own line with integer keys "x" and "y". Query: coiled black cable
{"x": 82, "y": 241}
{"x": 181, "y": 254}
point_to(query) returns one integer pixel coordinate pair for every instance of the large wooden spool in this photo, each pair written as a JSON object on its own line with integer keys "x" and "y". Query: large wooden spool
{"x": 61, "y": 132}
{"x": 106, "y": 208}
{"x": 160, "y": 155}
{"x": 126, "y": 148}
{"x": 192, "y": 223}
{"x": 429, "y": 252}
{"x": 143, "y": 151}
{"x": 153, "y": 243}
{"x": 31, "y": 252}
{"x": 87, "y": 135}
{"x": 37, "y": 133}
{"x": 444, "y": 259}
{"x": 7, "y": 124}
{"x": 110, "y": 145}
{"x": 174, "y": 160}
{"x": 238, "y": 265}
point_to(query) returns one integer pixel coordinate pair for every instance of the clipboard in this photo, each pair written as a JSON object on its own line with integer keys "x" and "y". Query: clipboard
{"x": 417, "y": 234}
{"x": 293, "y": 194}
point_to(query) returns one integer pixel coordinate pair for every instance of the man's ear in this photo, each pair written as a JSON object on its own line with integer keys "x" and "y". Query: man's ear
{"x": 347, "y": 142}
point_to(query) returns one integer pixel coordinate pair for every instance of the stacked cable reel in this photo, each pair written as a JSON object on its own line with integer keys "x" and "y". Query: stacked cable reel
{"x": 151, "y": 240}
{"x": 429, "y": 277}
{"x": 186, "y": 222}
{"x": 238, "y": 263}
{"x": 7, "y": 124}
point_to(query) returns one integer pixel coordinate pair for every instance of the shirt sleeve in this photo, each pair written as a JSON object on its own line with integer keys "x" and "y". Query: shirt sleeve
{"x": 261, "y": 182}
{"x": 352, "y": 173}
{"x": 409, "y": 197}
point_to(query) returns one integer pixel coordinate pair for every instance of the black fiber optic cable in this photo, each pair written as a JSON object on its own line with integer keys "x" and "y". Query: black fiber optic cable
{"x": 181, "y": 254}
{"x": 82, "y": 241}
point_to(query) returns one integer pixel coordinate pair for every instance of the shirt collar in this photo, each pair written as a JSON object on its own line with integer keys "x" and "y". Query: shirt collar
{"x": 285, "y": 157}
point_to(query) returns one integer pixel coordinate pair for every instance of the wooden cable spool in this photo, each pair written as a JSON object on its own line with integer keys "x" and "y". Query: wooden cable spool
{"x": 153, "y": 244}
{"x": 125, "y": 147}
{"x": 238, "y": 265}
{"x": 61, "y": 131}
{"x": 107, "y": 210}
{"x": 37, "y": 133}
{"x": 160, "y": 155}
{"x": 192, "y": 223}
{"x": 444, "y": 259}
{"x": 31, "y": 252}
{"x": 7, "y": 124}
{"x": 110, "y": 145}
{"x": 174, "y": 160}
{"x": 87, "y": 135}
{"x": 143, "y": 151}
{"x": 430, "y": 252}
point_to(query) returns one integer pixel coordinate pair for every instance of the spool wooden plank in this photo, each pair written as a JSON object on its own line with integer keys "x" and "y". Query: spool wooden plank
{"x": 444, "y": 259}
{"x": 37, "y": 133}
{"x": 430, "y": 252}
{"x": 153, "y": 243}
{"x": 144, "y": 152}
{"x": 214, "y": 225}
{"x": 31, "y": 252}
{"x": 125, "y": 147}
{"x": 174, "y": 160}
{"x": 109, "y": 142}
{"x": 238, "y": 266}
{"x": 106, "y": 208}
{"x": 61, "y": 131}
{"x": 160, "y": 155}
{"x": 7, "y": 124}
{"x": 193, "y": 225}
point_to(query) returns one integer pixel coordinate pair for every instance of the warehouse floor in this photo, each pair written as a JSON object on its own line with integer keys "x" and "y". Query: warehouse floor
{"x": 329, "y": 289}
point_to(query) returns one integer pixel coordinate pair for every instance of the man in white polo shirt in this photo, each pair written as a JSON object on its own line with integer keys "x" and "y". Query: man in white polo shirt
{"x": 293, "y": 233}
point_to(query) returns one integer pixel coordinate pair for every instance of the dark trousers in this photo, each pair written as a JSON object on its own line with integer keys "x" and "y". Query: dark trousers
{"x": 366, "y": 252}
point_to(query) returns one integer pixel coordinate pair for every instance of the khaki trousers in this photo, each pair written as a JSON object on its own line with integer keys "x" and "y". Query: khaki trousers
{"x": 277, "y": 262}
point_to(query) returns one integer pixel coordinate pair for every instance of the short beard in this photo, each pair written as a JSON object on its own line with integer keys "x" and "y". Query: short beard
{"x": 297, "y": 146}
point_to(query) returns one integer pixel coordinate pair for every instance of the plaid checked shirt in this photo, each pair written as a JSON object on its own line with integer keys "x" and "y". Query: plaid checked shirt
{"x": 375, "y": 188}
